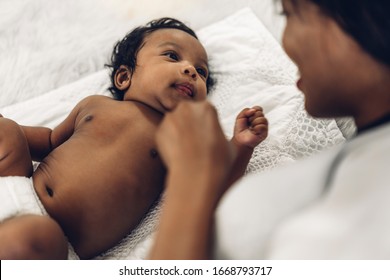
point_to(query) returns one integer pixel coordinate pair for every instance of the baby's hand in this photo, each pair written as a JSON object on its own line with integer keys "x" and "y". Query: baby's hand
{"x": 251, "y": 127}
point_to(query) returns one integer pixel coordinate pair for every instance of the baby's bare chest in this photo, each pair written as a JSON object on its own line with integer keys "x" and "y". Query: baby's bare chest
{"x": 128, "y": 127}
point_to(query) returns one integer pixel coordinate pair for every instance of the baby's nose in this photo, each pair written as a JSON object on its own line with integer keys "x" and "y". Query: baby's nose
{"x": 190, "y": 70}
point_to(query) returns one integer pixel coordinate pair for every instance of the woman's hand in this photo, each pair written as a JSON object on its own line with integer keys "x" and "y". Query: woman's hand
{"x": 191, "y": 142}
{"x": 198, "y": 158}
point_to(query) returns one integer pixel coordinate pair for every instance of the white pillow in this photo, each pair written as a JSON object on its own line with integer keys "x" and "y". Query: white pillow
{"x": 251, "y": 69}
{"x": 48, "y": 44}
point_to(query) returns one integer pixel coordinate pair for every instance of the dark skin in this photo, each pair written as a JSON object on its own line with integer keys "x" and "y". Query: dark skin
{"x": 101, "y": 132}
{"x": 131, "y": 188}
{"x": 100, "y": 171}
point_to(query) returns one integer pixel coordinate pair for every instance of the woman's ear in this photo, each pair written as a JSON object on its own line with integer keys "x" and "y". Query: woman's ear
{"x": 122, "y": 78}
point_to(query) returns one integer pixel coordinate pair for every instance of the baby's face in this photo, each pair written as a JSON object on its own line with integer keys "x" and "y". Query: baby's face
{"x": 171, "y": 66}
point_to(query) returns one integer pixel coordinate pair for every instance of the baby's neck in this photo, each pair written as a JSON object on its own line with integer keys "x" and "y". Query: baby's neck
{"x": 147, "y": 106}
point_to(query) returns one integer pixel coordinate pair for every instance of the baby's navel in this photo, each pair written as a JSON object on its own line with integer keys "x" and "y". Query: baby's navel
{"x": 88, "y": 118}
{"x": 153, "y": 153}
{"x": 49, "y": 191}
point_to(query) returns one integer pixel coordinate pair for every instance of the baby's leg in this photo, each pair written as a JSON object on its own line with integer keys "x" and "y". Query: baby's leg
{"x": 15, "y": 158}
{"x": 32, "y": 237}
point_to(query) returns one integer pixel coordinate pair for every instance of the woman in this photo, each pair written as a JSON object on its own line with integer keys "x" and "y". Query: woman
{"x": 338, "y": 201}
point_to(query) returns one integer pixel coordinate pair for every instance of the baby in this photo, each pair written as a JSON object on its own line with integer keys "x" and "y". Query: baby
{"x": 99, "y": 170}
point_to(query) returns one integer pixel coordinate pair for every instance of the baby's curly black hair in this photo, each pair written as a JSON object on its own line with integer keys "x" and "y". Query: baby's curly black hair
{"x": 126, "y": 50}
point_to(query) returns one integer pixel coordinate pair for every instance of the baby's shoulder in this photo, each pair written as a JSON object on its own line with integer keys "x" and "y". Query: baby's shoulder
{"x": 93, "y": 101}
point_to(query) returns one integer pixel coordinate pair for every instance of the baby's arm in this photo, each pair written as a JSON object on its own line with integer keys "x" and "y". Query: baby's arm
{"x": 37, "y": 139}
{"x": 251, "y": 128}
{"x": 42, "y": 140}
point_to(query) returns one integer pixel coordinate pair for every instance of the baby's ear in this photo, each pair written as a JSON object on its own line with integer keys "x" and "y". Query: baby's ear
{"x": 122, "y": 78}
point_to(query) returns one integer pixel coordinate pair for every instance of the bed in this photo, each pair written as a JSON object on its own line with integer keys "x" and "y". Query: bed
{"x": 53, "y": 53}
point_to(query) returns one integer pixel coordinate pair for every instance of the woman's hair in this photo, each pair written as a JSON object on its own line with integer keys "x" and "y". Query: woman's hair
{"x": 126, "y": 50}
{"x": 367, "y": 21}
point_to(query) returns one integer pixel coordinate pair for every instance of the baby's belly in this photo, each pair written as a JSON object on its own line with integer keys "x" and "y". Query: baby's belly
{"x": 95, "y": 213}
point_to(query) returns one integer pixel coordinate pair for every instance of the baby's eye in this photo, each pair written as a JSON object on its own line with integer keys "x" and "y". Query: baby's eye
{"x": 172, "y": 55}
{"x": 202, "y": 72}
